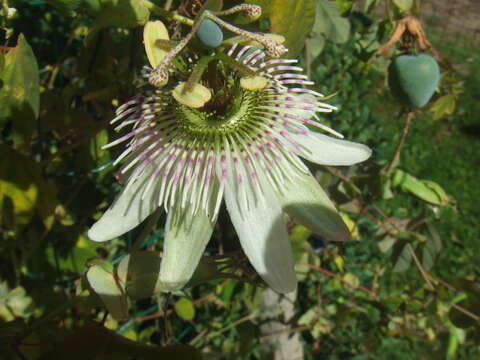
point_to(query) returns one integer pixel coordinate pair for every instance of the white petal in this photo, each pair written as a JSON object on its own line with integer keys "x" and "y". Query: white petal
{"x": 264, "y": 239}
{"x": 326, "y": 150}
{"x": 127, "y": 211}
{"x": 307, "y": 203}
{"x": 186, "y": 237}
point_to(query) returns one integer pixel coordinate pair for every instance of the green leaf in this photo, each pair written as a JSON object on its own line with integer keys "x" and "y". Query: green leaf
{"x": 329, "y": 22}
{"x": 185, "y": 309}
{"x": 14, "y": 303}
{"x": 66, "y": 7}
{"x": 110, "y": 291}
{"x": 23, "y": 191}
{"x": 386, "y": 244}
{"x": 20, "y": 91}
{"x": 370, "y": 5}
{"x": 426, "y": 190}
{"x": 122, "y": 13}
{"x": 139, "y": 272}
{"x": 77, "y": 257}
{"x": 294, "y": 20}
{"x": 213, "y": 5}
{"x": 329, "y": 25}
{"x": 444, "y": 105}
{"x": 432, "y": 248}
{"x": 403, "y": 5}
{"x": 401, "y": 256}
{"x": 2, "y": 64}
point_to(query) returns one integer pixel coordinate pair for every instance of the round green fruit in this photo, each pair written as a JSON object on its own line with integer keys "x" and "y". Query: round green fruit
{"x": 210, "y": 33}
{"x": 413, "y": 79}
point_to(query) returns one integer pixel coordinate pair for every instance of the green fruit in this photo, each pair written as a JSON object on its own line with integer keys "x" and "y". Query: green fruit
{"x": 210, "y": 33}
{"x": 413, "y": 79}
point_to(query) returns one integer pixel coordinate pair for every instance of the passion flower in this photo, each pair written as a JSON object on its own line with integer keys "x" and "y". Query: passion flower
{"x": 242, "y": 146}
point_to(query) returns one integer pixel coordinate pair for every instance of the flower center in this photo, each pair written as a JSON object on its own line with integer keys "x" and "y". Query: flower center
{"x": 234, "y": 115}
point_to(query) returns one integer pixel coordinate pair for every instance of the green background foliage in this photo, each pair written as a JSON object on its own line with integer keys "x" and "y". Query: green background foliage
{"x": 406, "y": 288}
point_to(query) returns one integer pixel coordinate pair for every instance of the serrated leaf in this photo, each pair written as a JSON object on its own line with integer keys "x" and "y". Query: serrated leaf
{"x": 294, "y": 20}
{"x": 106, "y": 286}
{"x": 20, "y": 91}
{"x": 185, "y": 309}
{"x": 444, "y": 105}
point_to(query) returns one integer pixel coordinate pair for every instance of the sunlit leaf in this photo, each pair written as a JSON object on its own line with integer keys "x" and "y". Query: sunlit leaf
{"x": 20, "y": 91}
{"x": 185, "y": 309}
{"x": 122, "y": 13}
{"x": 23, "y": 191}
{"x": 14, "y": 303}
{"x": 329, "y": 25}
{"x": 294, "y": 20}
{"x": 77, "y": 257}
{"x": 403, "y": 5}
{"x": 424, "y": 189}
{"x": 443, "y": 106}
{"x": 107, "y": 287}
{"x": 153, "y": 31}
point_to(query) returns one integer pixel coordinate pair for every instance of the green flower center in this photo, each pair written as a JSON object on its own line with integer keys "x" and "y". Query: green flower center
{"x": 221, "y": 117}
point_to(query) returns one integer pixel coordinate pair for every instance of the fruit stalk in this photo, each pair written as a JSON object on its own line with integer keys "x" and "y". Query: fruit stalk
{"x": 396, "y": 155}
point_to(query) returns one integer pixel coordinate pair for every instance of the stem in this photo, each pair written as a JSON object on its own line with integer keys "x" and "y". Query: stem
{"x": 338, "y": 173}
{"x": 335, "y": 276}
{"x": 396, "y": 155}
{"x": 168, "y": 5}
{"x": 308, "y": 60}
{"x": 265, "y": 338}
{"x": 73, "y": 145}
{"x": 170, "y": 15}
{"x": 420, "y": 267}
{"x": 235, "y": 64}
{"x": 197, "y": 73}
